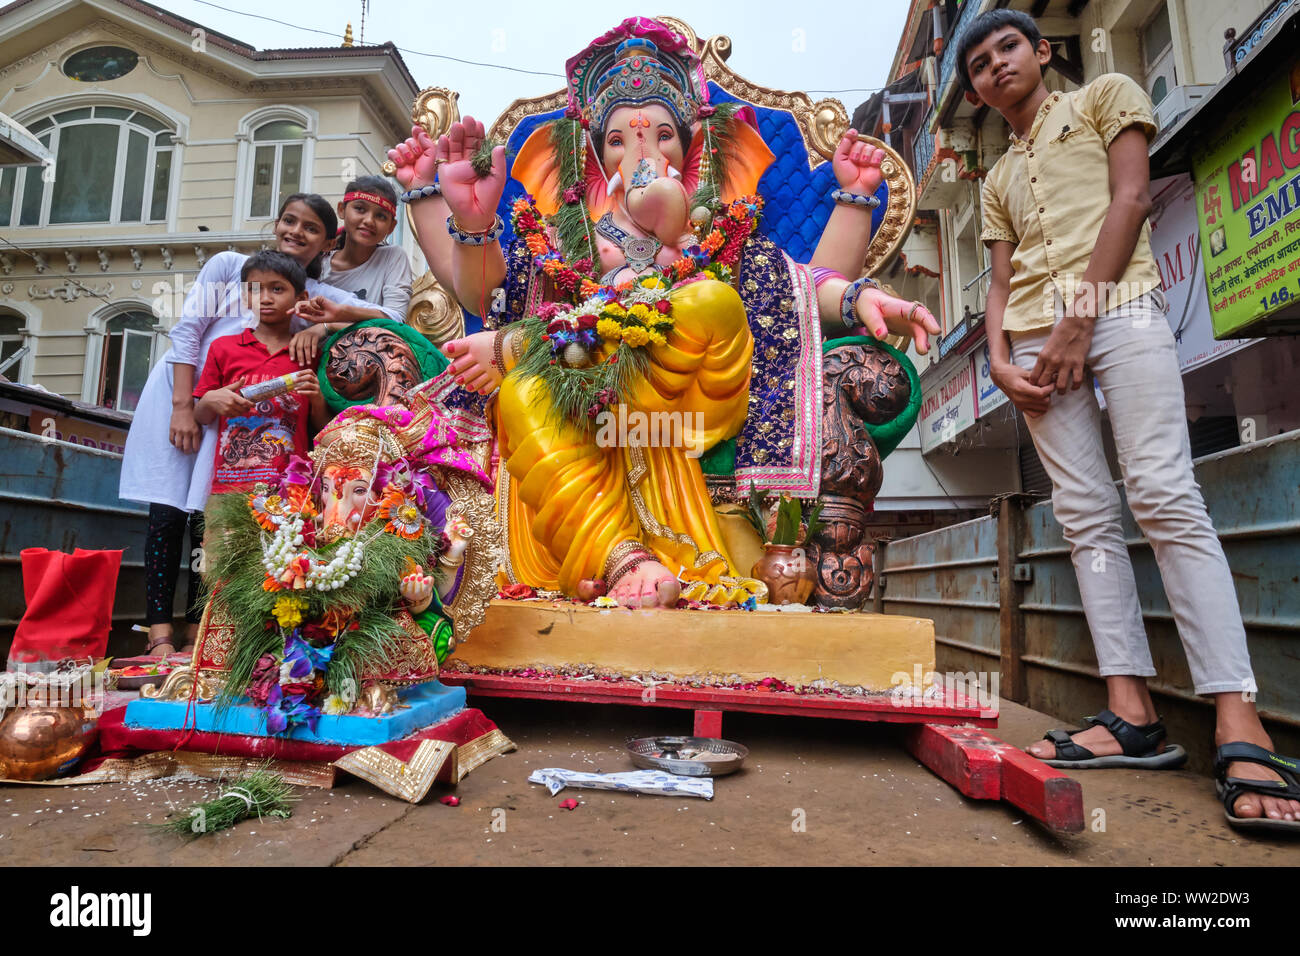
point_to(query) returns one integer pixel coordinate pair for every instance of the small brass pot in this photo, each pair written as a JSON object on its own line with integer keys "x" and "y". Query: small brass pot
{"x": 787, "y": 572}
{"x": 38, "y": 742}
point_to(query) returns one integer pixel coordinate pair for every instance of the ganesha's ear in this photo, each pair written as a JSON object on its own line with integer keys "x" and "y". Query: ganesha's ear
{"x": 537, "y": 169}
{"x": 747, "y": 160}
{"x": 745, "y": 157}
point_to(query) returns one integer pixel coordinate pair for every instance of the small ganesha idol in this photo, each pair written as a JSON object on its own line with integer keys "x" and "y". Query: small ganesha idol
{"x": 330, "y": 589}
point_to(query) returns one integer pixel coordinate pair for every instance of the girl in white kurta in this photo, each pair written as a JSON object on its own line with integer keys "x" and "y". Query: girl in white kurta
{"x": 169, "y": 458}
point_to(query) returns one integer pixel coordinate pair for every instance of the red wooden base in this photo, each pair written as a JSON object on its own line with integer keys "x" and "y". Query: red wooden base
{"x": 978, "y": 765}
{"x": 985, "y": 768}
{"x": 709, "y": 703}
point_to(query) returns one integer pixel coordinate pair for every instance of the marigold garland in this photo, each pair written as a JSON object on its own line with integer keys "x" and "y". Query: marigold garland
{"x": 611, "y": 326}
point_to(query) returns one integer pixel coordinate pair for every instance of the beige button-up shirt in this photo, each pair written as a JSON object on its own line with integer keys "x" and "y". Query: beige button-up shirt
{"x": 1049, "y": 194}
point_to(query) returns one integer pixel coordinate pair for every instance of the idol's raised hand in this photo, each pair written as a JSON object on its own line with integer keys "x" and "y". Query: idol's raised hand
{"x": 857, "y": 165}
{"x": 472, "y": 200}
{"x": 415, "y": 160}
{"x": 882, "y": 314}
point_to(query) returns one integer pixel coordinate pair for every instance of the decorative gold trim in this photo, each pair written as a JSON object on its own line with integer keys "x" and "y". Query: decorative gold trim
{"x": 900, "y": 214}
{"x": 433, "y": 310}
{"x": 638, "y": 466}
{"x": 479, "y": 751}
{"x": 503, "y": 518}
{"x": 169, "y": 763}
{"x": 483, "y": 555}
{"x": 410, "y": 780}
{"x": 179, "y": 684}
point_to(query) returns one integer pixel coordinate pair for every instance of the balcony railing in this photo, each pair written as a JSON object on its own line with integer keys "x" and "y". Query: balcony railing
{"x": 923, "y": 147}
{"x": 948, "y": 64}
{"x": 1239, "y": 47}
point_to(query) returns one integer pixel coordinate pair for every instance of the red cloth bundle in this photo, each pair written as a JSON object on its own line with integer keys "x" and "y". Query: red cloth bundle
{"x": 69, "y": 604}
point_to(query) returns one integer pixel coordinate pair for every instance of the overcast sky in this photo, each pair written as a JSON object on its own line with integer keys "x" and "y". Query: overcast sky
{"x": 819, "y": 46}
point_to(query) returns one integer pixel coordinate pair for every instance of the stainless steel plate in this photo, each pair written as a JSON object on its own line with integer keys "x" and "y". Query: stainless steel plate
{"x": 681, "y": 755}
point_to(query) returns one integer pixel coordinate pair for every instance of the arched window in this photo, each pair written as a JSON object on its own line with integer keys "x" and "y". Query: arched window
{"x": 112, "y": 165}
{"x": 129, "y": 350}
{"x": 277, "y": 165}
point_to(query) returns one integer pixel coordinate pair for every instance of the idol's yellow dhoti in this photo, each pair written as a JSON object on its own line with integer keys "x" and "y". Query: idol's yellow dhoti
{"x": 571, "y": 501}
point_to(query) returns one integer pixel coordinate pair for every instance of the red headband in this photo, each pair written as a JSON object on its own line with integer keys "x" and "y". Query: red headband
{"x": 380, "y": 201}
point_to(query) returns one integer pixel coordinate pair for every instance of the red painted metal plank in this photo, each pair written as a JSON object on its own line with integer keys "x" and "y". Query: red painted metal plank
{"x": 958, "y": 756}
{"x": 971, "y": 760}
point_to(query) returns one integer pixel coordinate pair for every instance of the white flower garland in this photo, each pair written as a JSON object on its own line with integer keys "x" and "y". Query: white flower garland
{"x": 282, "y": 548}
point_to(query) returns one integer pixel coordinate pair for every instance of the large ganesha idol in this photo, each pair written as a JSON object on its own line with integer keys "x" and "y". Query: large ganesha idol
{"x": 656, "y": 352}
{"x": 336, "y": 586}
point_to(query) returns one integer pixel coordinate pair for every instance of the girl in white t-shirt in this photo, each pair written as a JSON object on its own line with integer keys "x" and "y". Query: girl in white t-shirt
{"x": 363, "y": 262}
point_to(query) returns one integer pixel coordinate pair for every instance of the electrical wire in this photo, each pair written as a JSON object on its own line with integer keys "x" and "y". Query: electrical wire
{"x": 456, "y": 59}
{"x": 410, "y": 52}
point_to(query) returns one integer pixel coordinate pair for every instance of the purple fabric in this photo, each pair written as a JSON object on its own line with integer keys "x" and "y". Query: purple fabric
{"x": 820, "y": 274}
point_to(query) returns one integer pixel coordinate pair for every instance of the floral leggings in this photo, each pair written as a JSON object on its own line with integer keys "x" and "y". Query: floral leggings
{"x": 162, "y": 564}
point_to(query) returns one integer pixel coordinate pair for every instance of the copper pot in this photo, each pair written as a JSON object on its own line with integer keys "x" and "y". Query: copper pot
{"x": 787, "y": 572}
{"x": 39, "y": 742}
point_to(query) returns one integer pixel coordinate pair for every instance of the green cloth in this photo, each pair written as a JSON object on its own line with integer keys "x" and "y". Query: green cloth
{"x": 434, "y": 622}
{"x": 721, "y": 458}
{"x": 432, "y": 362}
{"x": 888, "y": 434}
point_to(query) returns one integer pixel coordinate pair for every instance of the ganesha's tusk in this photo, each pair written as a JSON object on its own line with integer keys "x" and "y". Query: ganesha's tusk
{"x": 673, "y": 173}
{"x": 615, "y": 181}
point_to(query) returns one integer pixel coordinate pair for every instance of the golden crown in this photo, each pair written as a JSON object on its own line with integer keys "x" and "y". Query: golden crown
{"x": 360, "y": 442}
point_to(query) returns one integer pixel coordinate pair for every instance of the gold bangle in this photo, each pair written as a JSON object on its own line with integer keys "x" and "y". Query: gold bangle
{"x": 498, "y": 352}
{"x": 620, "y": 553}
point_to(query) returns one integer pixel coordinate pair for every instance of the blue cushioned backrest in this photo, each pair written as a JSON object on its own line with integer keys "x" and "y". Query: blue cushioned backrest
{"x": 797, "y": 199}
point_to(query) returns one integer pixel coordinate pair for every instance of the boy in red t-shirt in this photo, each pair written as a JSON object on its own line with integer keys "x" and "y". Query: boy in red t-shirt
{"x": 256, "y": 439}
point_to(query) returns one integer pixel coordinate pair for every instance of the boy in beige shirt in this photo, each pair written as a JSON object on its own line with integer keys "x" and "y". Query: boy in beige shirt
{"x": 1075, "y": 294}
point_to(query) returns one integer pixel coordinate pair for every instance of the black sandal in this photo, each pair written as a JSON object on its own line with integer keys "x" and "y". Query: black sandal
{"x": 1230, "y": 788}
{"x": 1138, "y": 743}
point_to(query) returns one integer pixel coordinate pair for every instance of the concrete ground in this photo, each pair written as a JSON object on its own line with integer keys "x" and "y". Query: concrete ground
{"x": 864, "y": 801}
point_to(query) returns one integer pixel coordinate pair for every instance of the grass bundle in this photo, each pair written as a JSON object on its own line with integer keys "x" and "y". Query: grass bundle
{"x": 261, "y": 793}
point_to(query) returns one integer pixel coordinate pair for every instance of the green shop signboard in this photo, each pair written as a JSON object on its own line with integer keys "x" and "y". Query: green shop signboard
{"x": 1248, "y": 209}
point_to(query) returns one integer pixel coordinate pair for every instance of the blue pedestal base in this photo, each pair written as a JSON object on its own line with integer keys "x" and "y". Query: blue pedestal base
{"x": 427, "y": 704}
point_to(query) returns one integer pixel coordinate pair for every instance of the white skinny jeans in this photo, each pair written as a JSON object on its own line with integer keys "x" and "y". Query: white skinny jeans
{"x": 1136, "y": 365}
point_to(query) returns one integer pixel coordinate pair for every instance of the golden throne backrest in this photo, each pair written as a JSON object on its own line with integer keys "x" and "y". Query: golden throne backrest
{"x": 821, "y": 123}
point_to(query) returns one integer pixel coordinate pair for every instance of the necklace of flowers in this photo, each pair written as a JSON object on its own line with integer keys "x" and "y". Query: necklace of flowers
{"x": 720, "y": 248}
{"x": 289, "y": 567}
{"x": 561, "y": 345}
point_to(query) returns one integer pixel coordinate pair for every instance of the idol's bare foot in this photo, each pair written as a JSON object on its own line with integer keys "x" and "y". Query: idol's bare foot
{"x": 649, "y": 584}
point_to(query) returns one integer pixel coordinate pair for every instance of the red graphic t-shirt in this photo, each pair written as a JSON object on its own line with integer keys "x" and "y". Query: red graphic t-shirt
{"x": 257, "y": 446}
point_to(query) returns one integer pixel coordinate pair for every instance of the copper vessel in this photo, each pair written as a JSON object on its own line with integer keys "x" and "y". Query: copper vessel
{"x": 787, "y": 572}
{"x": 38, "y": 742}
